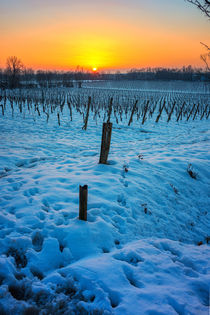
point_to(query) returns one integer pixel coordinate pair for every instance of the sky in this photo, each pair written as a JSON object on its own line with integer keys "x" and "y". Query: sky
{"x": 108, "y": 35}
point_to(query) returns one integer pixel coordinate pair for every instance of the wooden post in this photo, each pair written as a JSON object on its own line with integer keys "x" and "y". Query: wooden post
{"x": 110, "y": 110}
{"x": 191, "y": 112}
{"x": 160, "y": 112}
{"x": 180, "y": 112}
{"x": 87, "y": 114}
{"x": 59, "y": 122}
{"x": 196, "y": 111}
{"x": 145, "y": 112}
{"x": 2, "y": 108}
{"x": 83, "y": 194}
{"x": 105, "y": 142}
{"x": 204, "y": 112}
{"x": 171, "y": 112}
{"x": 133, "y": 110}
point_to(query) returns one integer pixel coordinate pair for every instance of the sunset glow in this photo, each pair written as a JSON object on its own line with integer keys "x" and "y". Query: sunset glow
{"x": 112, "y": 34}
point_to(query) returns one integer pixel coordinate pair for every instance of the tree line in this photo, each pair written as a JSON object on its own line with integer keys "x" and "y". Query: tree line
{"x": 15, "y": 75}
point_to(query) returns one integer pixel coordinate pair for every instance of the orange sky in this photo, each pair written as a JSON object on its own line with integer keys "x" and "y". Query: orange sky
{"x": 117, "y": 34}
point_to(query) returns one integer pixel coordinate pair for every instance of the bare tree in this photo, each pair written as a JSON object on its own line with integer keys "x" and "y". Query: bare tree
{"x": 206, "y": 56}
{"x": 203, "y": 5}
{"x": 14, "y": 68}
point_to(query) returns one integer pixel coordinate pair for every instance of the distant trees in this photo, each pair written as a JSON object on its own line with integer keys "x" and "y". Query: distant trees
{"x": 187, "y": 73}
{"x": 14, "y": 68}
{"x": 15, "y": 75}
{"x": 203, "y": 5}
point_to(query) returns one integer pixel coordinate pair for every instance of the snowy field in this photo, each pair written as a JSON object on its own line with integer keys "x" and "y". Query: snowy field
{"x": 144, "y": 248}
{"x": 179, "y": 86}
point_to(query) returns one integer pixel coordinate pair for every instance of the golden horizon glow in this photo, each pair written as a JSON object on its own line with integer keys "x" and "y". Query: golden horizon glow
{"x": 107, "y": 36}
{"x": 94, "y": 69}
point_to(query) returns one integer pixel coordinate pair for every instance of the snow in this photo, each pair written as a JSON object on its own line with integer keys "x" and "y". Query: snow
{"x": 166, "y": 86}
{"x": 138, "y": 252}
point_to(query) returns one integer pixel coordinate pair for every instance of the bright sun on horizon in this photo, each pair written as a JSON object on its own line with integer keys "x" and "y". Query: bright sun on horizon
{"x": 102, "y": 35}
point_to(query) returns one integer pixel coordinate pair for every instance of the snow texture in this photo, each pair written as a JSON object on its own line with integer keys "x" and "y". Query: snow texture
{"x": 144, "y": 248}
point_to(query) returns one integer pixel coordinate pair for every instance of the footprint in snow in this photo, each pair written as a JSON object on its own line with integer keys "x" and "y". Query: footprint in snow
{"x": 31, "y": 192}
{"x": 132, "y": 278}
{"x": 121, "y": 200}
{"x": 37, "y": 241}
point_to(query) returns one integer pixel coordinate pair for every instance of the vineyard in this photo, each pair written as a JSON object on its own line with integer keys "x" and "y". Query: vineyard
{"x": 145, "y": 234}
{"x": 120, "y": 106}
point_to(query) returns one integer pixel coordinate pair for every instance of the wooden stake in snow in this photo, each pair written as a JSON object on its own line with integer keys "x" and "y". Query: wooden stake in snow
{"x": 105, "y": 142}
{"x": 145, "y": 112}
{"x": 59, "y": 122}
{"x": 191, "y": 112}
{"x": 171, "y": 112}
{"x": 205, "y": 110}
{"x": 83, "y": 194}
{"x": 196, "y": 111}
{"x": 133, "y": 111}
{"x": 160, "y": 112}
{"x": 110, "y": 110}
{"x": 180, "y": 111}
{"x": 87, "y": 114}
{"x": 2, "y": 108}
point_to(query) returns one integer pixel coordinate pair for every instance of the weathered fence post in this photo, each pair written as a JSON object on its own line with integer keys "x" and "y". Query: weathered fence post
{"x": 87, "y": 114}
{"x": 133, "y": 111}
{"x": 2, "y": 108}
{"x": 105, "y": 142}
{"x": 180, "y": 112}
{"x": 83, "y": 194}
{"x": 59, "y": 122}
{"x": 110, "y": 110}
{"x": 196, "y": 111}
{"x": 160, "y": 112}
{"x": 191, "y": 112}
{"x": 171, "y": 112}
{"x": 204, "y": 112}
{"x": 145, "y": 112}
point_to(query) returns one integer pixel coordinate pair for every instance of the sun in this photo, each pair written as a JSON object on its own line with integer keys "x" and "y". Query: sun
{"x": 94, "y": 69}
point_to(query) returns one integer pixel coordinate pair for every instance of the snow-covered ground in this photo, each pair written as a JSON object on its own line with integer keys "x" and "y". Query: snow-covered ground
{"x": 144, "y": 248}
{"x": 181, "y": 86}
